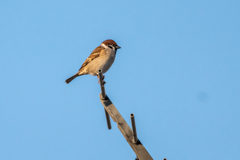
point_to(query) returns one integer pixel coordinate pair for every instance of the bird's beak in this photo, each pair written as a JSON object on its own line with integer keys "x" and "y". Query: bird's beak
{"x": 118, "y": 47}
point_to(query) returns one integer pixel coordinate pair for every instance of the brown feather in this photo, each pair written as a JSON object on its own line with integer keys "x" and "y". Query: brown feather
{"x": 109, "y": 42}
{"x": 71, "y": 78}
{"x": 95, "y": 53}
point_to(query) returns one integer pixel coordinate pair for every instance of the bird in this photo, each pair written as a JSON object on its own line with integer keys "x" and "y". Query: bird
{"x": 101, "y": 58}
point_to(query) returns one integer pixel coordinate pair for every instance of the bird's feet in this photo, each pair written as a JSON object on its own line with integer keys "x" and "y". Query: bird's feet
{"x": 103, "y": 76}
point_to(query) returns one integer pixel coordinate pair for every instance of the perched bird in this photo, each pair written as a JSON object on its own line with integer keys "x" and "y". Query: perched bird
{"x": 102, "y": 58}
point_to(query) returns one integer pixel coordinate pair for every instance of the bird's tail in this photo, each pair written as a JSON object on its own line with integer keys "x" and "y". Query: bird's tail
{"x": 71, "y": 78}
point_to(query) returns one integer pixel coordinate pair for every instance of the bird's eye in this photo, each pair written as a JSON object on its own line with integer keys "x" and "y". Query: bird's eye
{"x": 110, "y": 46}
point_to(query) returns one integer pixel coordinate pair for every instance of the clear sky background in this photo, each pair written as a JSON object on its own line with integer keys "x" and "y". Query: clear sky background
{"x": 178, "y": 71}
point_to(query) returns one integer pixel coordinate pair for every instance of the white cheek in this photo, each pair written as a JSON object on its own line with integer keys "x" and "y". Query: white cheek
{"x": 104, "y": 46}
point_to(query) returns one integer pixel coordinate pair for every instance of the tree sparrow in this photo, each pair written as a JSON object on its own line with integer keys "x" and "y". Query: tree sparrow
{"x": 101, "y": 58}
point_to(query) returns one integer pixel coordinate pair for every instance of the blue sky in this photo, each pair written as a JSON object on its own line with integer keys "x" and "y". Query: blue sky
{"x": 177, "y": 71}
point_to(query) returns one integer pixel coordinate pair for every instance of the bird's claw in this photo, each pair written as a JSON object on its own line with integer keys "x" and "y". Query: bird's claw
{"x": 103, "y": 76}
{"x": 103, "y": 82}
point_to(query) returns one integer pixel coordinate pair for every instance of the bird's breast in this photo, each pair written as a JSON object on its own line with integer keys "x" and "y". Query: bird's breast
{"x": 103, "y": 62}
{"x": 108, "y": 61}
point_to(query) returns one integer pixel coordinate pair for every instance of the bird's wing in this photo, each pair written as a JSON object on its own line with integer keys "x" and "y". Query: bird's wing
{"x": 95, "y": 53}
